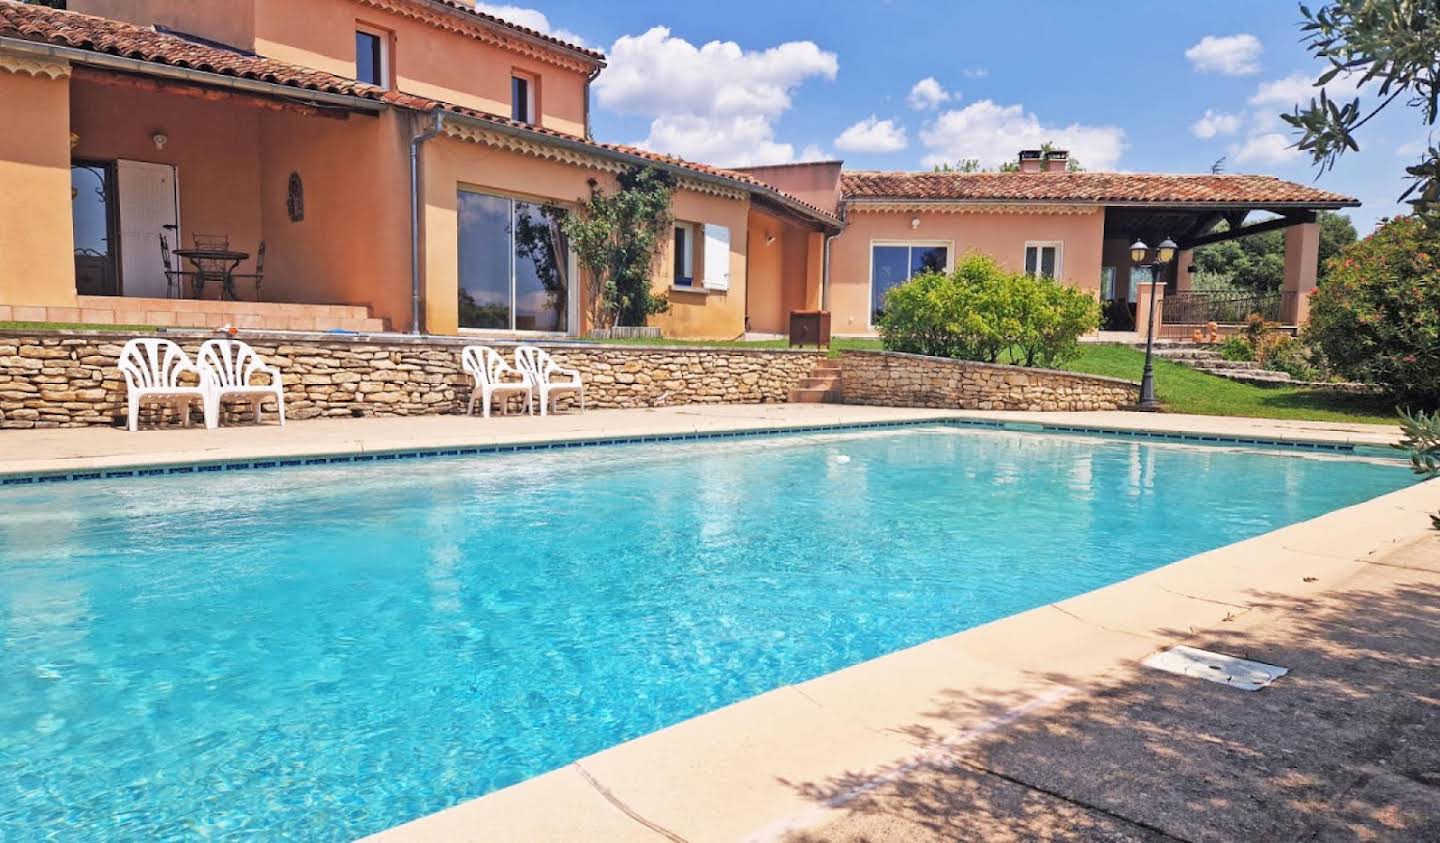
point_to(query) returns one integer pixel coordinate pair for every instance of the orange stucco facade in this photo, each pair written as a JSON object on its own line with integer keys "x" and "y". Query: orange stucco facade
{"x": 36, "y": 237}
{"x": 1002, "y": 234}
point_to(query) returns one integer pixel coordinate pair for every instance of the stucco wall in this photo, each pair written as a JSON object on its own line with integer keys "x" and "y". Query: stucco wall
{"x": 783, "y": 274}
{"x": 72, "y": 381}
{"x": 427, "y": 60}
{"x": 353, "y": 246}
{"x": 1002, "y": 235}
{"x": 230, "y": 22}
{"x": 37, "y": 247}
{"x": 910, "y": 380}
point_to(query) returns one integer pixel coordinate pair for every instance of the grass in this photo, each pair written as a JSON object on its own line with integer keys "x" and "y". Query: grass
{"x": 73, "y": 326}
{"x": 1180, "y": 388}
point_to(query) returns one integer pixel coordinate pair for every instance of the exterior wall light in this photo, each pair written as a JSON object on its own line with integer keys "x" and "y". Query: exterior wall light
{"x": 160, "y": 139}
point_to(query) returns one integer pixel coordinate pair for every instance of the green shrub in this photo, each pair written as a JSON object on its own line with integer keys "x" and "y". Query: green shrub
{"x": 1234, "y": 347}
{"x": 1293, "y": 358}
{"x": 982, "y": 311}
{"x": 1376, "y": 317}
{"x": 1422, "y": 442}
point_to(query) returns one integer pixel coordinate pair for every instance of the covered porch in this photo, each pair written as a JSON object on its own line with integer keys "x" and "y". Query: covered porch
{"x": 1181, "y": 310}
{"x": 192, "y": 205}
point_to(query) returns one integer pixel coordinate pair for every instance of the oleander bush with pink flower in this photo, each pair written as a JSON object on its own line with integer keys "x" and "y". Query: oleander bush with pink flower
{"x": 1376, "y": 317}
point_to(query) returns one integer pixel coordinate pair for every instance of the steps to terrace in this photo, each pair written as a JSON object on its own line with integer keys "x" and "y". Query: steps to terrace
{"x": 822, "y": 386}
{"x": 1207, "y": 359}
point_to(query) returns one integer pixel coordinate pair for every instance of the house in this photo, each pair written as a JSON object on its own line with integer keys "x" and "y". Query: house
{"x": 402, "y": 161}
{"x": 401, "y": 164}
{"x": 1044, "y": 219}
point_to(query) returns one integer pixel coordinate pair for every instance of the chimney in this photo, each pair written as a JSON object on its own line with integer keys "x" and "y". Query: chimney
{"x": 1057, "y": 161}
{"x": 1031, "y": 161}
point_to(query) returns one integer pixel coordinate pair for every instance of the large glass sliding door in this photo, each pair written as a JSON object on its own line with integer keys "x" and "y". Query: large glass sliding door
{"x": 514, "y": 265}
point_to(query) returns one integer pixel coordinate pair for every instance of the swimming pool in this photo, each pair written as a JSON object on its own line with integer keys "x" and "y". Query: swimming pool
{"x": 323, "y": 652}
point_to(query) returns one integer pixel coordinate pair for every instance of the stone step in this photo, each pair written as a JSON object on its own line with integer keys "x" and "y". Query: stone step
{"x": 816, "y": 381}
{"x": 828, "y": 364}
{"x": 1261, "y": 376}
{"x": 814, "y": 395}
{"x": 1188, "y": 354}
{"x": 1222, "y": 363}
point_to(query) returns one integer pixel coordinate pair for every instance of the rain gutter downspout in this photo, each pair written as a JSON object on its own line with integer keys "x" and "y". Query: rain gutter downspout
{"x": 415, "y": 144}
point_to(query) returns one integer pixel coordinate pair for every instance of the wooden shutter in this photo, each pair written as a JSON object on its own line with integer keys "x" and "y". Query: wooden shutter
{"x": 717, "y": 257}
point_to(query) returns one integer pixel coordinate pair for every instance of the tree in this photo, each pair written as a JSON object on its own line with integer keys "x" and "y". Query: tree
{"x": 617, "y": 237}
{"x": 1392, "y": 42}
{"x": 1377, "y": 317}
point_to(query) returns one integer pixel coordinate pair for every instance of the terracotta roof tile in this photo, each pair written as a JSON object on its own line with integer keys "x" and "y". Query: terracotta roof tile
{"x": 1085, "y": 187}
{"x": 469, "y": 8}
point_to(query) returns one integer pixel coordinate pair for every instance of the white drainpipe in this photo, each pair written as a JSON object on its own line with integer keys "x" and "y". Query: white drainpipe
{"x": 415, "y": 144}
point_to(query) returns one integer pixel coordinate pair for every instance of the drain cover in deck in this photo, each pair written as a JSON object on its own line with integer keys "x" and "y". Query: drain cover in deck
{"x": 1216, "y": 667}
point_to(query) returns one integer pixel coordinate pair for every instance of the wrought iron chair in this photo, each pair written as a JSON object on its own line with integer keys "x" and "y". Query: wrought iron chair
{"x": 258, "y": 276}
{"x": 174, "y": 278}
{"x": 219, "y": 242}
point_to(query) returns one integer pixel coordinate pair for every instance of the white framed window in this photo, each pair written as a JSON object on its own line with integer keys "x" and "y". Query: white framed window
{"x": 372, "y": 56}
{"x": 684, "y": 255}
{"x": 1042, "y": 258}
{"x": 522, "y": 97}
{"x": 894, "y": 262}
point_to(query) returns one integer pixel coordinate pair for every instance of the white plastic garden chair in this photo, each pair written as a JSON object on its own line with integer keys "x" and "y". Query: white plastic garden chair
{"x": 230, "y": 367}
{"x": 152, "y": 368}
{"x": 543, "y": 370}
{"x": 490, "y": 376}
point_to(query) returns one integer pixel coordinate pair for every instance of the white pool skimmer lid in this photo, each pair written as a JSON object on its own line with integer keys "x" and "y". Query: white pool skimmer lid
{"x": 1215, "y": 667}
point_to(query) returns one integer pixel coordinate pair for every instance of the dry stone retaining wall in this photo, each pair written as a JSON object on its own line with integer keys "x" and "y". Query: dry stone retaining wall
{"x": 60, "y": 380}
{"x": 911, "y": 380}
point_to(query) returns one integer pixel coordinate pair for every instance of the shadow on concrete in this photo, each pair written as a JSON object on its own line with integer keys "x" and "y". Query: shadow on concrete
{"x": 1346, "y": 747}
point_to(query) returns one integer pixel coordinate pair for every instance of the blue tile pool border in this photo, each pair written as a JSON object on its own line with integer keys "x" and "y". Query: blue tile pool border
{"x": 1338, "y": 448}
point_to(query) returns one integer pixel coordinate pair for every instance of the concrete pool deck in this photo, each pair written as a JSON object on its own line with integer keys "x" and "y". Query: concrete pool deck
{"x": 1039, "y": 725}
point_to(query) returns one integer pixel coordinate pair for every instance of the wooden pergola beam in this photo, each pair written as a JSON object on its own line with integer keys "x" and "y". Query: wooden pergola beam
{"x": 1290, "y": 219}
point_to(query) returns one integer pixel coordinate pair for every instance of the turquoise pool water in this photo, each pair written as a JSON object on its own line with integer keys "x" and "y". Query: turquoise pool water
{"x": 317, "y": 653}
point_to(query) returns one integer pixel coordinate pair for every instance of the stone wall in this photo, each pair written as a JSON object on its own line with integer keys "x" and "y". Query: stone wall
{"x": 71, "y": 380}
{"x": 911, "y": 380}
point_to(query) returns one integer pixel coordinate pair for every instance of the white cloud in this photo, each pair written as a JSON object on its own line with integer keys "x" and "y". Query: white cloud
{"x": 529, "y": 18}
{"x": 975, "y": 72}
{"x": 1269, "y": 148}
{"x": 995, "y": 134}
{"x": 928, "y": 93}
{"x": 716, "y": 103}
{"x": 872, "y": 135}
{"x": 1292, "y": 90}
{"x": 1232, "y": 55}
{"x": 1413, "y": 149}
{"x": 1216, "y": 123}
{"x": 812, "y": 152}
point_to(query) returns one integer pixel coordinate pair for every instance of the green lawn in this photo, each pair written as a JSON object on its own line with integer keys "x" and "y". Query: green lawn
{"x": 1180, "y": 388}
{"x": 1185, "y": 390}
{"x": 73, "y": 326}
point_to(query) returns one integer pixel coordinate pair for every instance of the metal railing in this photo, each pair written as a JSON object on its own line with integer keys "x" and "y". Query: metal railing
{"x": 1222, "y": 308}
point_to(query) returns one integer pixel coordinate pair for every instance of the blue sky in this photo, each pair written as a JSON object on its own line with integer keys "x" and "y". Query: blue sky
{"x": 1138, "y": 85}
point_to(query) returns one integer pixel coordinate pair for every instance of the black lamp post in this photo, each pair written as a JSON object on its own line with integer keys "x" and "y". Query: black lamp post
{"x": 1164, "y": 254}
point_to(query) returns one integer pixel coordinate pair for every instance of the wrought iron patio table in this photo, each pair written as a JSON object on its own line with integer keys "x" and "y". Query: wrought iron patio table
{"x": 214, "y": 263}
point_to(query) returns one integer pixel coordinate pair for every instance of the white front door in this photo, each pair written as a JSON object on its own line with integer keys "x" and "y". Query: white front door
{"x": 148, "y": 196}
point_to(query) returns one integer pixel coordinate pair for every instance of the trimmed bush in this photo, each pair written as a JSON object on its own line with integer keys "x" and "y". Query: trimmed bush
{"x": 1376, "y": 317}
{"x": 982, "y": 311}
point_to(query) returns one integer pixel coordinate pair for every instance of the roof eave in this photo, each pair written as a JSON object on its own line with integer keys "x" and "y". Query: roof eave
{"x": 601, "y": 151}
{"x": 516, "y": 31}
{"x": 125, "y": 64}
{"x": 1115, "y": 203}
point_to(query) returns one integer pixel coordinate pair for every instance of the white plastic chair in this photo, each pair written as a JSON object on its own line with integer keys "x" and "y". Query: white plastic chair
{"x": 152, "y": 368}
{"x": 488, "y": 373}
{"x": 229, "y": 367}
{"x": 542, "y": 369}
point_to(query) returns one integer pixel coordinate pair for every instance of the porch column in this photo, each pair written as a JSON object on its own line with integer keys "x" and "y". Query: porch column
{"x": 1182, "y": 270}
{"x": 1143, "y": 291}
{"x": 37, "y": 236}
{"x": 1302, "y": 262}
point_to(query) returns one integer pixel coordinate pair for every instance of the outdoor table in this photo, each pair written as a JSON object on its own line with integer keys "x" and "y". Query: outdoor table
{"x": 214, "y": 263}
